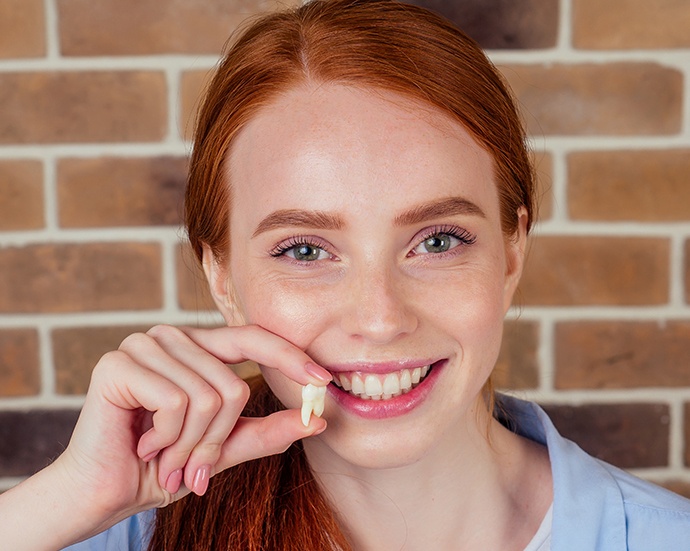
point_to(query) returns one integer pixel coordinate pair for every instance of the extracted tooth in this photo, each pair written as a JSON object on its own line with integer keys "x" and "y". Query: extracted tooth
{"x": 313, "y": 400}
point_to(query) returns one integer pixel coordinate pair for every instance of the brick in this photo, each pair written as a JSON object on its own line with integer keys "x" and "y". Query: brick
{"x": 680, "y": 487}
{"x": 121, "y": 191}
{"x": 83, "y": 277}
{"x": 192, "y": 288}
{"x": 31, "y": 440}
{"x": 618, "y": 99}
{"x": 595, "y": 270}
{"x": 82, "y": 106}
{"x": 644, "y": 186}
{"x": 20, "y": 371}
{"x": 22, "y": 29}
{"x": 502, "y": 24}
{"x": 687, "y": 271}
{"x": 687, "y": 434}
{"x": 144, "y": 27}
{"x": 192, "y": 86}
{"x": 621, "y": 354}
{"x": 630, "y": 24}
{"x": 76, "y": 350}
{"x": 517, "y": 366}
{"x": 21, "y": 189}
{"x": 626, "y": 435}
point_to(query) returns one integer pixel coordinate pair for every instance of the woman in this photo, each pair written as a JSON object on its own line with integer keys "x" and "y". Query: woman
{"x": 360, "y": 197}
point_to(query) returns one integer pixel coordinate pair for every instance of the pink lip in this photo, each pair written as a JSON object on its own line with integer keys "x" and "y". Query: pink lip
{"x": 378, "y": 367}
{"x": 385, "y": 409}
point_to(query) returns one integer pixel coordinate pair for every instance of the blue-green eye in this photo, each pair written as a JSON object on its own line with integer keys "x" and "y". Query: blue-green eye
{"x": 306, "y": 253}
{"x": 442, "y": 240}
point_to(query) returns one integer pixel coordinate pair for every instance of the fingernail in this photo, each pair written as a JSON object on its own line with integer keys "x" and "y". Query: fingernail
{"x": 201, "y": 479}
{"x": 172, "y": 485}
{"x": 317, "y": 372}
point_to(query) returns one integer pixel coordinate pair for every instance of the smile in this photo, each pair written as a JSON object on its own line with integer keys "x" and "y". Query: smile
{"x": 380, "y": 386}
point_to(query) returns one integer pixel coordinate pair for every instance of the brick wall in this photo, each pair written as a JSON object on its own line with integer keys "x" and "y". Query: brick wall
{"x": 95, "y": 108}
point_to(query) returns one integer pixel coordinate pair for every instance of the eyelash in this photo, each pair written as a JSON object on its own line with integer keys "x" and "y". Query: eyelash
{"x": 465, "y": 237}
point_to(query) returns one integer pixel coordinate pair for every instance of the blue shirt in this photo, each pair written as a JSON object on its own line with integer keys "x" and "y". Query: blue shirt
{"x": 596, "y": 507}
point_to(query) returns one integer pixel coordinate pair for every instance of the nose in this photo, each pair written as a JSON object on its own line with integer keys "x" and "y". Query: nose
{"x": 379, "y": 307}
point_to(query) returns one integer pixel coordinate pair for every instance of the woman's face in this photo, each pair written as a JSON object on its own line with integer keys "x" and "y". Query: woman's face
{"x": 365, "y": 229}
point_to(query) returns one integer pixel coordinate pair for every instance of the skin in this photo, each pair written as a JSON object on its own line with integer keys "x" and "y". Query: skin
{"x": 374, "y": 293}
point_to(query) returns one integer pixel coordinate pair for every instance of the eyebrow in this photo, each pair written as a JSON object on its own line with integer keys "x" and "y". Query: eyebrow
{"x": 294, "y": 217}
{"x": 451, "y": 206}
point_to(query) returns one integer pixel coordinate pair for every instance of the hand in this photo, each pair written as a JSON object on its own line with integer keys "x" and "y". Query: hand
{"x": 162, "y": 415}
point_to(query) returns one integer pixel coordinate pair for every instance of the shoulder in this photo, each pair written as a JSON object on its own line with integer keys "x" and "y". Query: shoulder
{"x": 132, "y": 534}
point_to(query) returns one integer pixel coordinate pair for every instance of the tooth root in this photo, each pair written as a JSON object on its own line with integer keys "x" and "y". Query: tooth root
{"x": 307, "y": 408}
{"x": 319, "y": 406}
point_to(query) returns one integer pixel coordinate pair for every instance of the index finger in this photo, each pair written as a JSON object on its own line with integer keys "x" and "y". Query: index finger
{"x": 234, "y": 345}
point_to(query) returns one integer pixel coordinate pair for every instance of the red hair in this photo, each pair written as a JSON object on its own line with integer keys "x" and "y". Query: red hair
{"x": 274, "y": 503}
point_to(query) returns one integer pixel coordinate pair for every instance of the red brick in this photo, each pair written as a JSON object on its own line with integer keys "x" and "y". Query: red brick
{"x": 631, "y": 24}
{"x": 121, "y": 191}
{"x": 626, "y": 435}
{"x": 687, "y": 271}
{"x": 30, "y": 440}
{"x": 192, "y": 288}
{"x": 517, "y": 366}
{"x": 20, "y": 371}
{"x": 680, "y": 487}
{"x": 143, "y": 27}
{"x": 192, "y": 86}
{"x": 687, "y": 434}
{"x": 645, "y": 186}
{"x": 80, "y": 277}
{"x": 76, "y": 350}
{"x": 82, "y": 106}
{"x": 543, "y": 165}
{"x": 22, "y": 28}
{"x": 619, "y": 99}
{"x": 21, "y": 189}
{"x": 595, "y": 270}
{"x": 621, "y": 354}
{"x": 496, "y": 24}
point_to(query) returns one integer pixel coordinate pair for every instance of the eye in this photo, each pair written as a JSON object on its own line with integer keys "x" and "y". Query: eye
{"x": 301, "y": 249}
{"x": 442, "y": 240}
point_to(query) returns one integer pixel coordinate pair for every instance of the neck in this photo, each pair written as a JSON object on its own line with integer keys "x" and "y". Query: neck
{"x": 481, "y": 489}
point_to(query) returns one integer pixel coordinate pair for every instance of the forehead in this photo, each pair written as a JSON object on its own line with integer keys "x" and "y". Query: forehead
{"x": 334, "y": 146}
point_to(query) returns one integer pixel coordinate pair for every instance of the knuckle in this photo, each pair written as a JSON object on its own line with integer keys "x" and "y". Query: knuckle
{"x": 236, "y": 391}
{"x": 136, "y": 341}
{"x": 177, "y": 401}
{"x": 167, "y": 333}
{"x": 208, "y": 402}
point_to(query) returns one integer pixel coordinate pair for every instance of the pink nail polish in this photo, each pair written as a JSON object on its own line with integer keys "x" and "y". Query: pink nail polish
{"x": 172, "y": 485}
{"x": 201, "y": 479}
{"x": 317, "y": 372}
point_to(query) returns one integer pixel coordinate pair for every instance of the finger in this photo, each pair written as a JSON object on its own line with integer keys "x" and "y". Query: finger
{"x": 255, "y": 437}
{"x": 250, "y": 342}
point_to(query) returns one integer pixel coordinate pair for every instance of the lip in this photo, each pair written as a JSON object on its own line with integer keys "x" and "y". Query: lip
{"x": 393, "y": 407}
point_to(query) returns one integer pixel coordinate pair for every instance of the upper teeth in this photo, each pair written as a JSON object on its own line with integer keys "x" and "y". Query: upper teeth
{"x": 313, "y": 400}
{"x": 381, "y": 386}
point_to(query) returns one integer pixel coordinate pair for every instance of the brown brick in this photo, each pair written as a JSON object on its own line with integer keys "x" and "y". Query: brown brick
{"x": 626, "y": 435}
{"x": 192, "y": 86}
{"x": 687, "y": 434}
{"x": 623, "y": 24}
{"x": 76, "y": 350}
{"x": 22, "y": 28}
{"x": 143, "y": 27}
{"x": 497, "y": 24}
{"x": 192, "y": 288}
{"x": 608, "y": 99}
{"x": 19, "y": 362}
{"x": 645, "y": 186}
{"x": 681, "y": 487}
{"x": 80, "y": 277}
{"x": 82, "y": 106}
{"x": 595, "y": 270}
{"x": 21, "y": 189}
{"x": 31, "y": 440}
{"x": 687, "y": 271}
{"x": 517, "y": 366}
{"x": 121, "y": 191}
{"x": 619, "y": 354}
